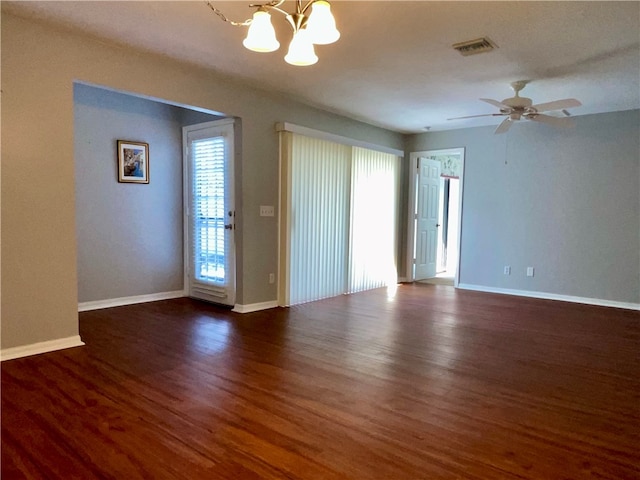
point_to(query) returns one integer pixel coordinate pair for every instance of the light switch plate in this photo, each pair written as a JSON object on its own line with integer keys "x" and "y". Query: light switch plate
{"x": 267, "y": 211}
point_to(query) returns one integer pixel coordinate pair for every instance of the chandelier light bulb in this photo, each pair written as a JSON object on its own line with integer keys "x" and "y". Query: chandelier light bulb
{"x": 261, "y": 36}
{"x": 321, "y": 25}
{"x": 301, "y": 52}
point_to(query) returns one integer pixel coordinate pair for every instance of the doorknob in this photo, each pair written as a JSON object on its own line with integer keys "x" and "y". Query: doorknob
{"x": 228, "y": 227}
{"x": 437, "y": 224}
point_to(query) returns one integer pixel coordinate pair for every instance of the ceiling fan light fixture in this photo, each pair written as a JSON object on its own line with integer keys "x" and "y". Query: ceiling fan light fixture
{"x": 261, "y": 36}
{"x": 321, "y": 25}
{"x": 301, "y": 52}
{"x": 517, "y": 108}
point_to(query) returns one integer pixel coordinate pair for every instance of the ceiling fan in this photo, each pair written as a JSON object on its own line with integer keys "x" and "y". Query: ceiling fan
{"x": 517, "y": 108}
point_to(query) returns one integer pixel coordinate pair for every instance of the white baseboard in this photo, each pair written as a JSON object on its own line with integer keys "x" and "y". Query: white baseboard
{"x": 551, "y": 296}
{"x": 118, "y": 302}
{"x": 254, "y": 307}
{"x": 40, "y": 347}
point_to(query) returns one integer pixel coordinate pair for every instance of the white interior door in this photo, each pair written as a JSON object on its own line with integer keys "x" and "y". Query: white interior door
{"x": 209, "y": 212}
{"x": 427, "y": 199}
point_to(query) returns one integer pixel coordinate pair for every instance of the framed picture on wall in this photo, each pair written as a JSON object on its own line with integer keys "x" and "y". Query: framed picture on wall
{"x": 133, "y": 162}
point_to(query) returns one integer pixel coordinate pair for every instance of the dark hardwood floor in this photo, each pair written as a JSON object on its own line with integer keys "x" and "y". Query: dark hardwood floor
{"x": 422, "y": 383}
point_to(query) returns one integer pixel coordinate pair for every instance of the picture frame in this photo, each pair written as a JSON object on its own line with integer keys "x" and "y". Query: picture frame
{"x": 133, "y": 162}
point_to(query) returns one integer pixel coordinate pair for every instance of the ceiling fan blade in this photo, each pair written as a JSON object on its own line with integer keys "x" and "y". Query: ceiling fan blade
{"x": 554, "y": 121}
{"x": 504, "y": 126}
{"x": 557, "y": 105}
{"x": 475, "y": 116}
{"x": 495, "y": 103}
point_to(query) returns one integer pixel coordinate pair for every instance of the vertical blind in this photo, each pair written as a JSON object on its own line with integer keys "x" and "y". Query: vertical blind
{"x": 319, "y": 219}
{"x": 340, "y": 221}
{"x": 374, "y": 205}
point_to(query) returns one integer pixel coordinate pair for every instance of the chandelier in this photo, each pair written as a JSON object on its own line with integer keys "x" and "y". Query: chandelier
{"x": 316, "y": 28}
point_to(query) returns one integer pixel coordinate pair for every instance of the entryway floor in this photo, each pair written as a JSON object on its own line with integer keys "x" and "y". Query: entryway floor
{"x": 443, "y": 278}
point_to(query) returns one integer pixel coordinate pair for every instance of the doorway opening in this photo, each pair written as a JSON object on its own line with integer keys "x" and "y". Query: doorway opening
{"x": 435, "y": 216}
{"x": 448, "y": 218}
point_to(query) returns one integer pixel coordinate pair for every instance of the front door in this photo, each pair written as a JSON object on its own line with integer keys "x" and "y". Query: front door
{"x": 427, "y": 200}
{"x": 209, "y": 211}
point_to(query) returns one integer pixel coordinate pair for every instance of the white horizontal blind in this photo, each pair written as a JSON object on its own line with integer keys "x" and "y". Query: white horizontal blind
{"x": 319, "y": 213}
{"x": 374, "y": 206}
{"x": 209, "y": 242}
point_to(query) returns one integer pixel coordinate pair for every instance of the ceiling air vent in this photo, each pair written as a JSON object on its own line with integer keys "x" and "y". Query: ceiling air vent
{"x": 479, "y": 45}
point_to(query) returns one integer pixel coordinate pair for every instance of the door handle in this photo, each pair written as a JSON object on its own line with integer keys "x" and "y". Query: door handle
{"x": 437, "y": 224}
{"x": 228, "y": 227}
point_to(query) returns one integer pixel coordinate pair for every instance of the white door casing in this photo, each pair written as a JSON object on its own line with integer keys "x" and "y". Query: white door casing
{"x": 427, "y": 228}
{"x": 412, "y": 206}
{"x": 209, "y": 211}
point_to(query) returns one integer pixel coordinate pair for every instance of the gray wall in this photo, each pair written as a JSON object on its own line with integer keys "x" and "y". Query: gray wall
{"x": 129, "y": 236}
{"x": 191, "y": 117}
{"x": 566, "y": 202}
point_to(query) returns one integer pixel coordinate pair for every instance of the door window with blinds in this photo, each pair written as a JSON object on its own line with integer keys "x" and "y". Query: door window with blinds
{"x": 339, "y": 218}
{"x": 209, "y": 211}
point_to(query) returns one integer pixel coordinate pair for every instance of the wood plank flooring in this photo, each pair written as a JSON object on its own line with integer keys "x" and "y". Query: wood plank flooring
{"x": 421, "y": 382}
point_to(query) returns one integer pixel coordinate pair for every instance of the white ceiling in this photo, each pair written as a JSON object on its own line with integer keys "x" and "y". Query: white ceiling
{"x": 393, "y": 65}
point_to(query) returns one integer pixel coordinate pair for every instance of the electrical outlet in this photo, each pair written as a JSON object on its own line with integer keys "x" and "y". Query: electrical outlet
{"x": 272, "y": 278}
{"x": 267, "y": 211}
{"x": 529, "y": 271}
{"x": 507, "y": 270}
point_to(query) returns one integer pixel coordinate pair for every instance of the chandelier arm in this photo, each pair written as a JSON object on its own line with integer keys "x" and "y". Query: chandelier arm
{"x": 306, "y": 7}
{"x": 275, "y": 8}
{"x": 297, "y": 21}
{"x": 223, "y": 17}
{"x": 271, "y": 6}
